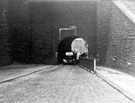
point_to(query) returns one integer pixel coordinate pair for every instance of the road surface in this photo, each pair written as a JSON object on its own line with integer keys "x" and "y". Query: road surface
{"x": 61, "y": 84}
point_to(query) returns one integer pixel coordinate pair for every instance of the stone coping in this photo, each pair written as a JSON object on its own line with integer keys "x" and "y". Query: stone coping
{"x": 87, "y": 58}
{"x": 125, "y": 11}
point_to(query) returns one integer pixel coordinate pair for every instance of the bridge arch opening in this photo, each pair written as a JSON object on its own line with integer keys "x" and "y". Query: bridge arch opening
{"x": 71, "y": 48}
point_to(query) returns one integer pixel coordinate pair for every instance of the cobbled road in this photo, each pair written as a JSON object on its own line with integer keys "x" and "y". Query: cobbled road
{"x": 62, "y": 84}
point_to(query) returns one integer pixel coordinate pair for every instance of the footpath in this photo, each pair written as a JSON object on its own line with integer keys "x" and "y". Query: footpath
{"x": 121, "y": 81}
{"x": 12, "y": 72}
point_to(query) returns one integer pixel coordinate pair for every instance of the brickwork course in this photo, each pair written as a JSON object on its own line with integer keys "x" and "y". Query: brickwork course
{"x": 115, "y": 46}
{"x": 4, "y": 34}
{"x": 120, "y": 52}
{"x": 103, "y": 29}
{"x": 20, "y": 39}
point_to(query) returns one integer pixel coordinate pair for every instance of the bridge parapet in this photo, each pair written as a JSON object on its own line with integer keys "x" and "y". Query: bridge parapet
{"x": 88, "y": 63}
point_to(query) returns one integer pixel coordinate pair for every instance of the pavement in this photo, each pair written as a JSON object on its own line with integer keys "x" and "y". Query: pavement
{"x": 121, "y": 81}
{"x": 60, "y": 84}
{"x": 12, "y": 72}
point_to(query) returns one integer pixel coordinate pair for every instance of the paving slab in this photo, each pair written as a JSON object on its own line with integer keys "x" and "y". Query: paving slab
{"x": 123, "y": 82}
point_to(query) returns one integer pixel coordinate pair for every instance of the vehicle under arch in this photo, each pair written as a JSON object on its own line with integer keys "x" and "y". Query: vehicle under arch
{"x": 70, "y": 48}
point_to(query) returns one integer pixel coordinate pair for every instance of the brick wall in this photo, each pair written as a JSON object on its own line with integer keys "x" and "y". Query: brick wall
{"x": 121, "y": 41}
{"x": 20, "y": 39}
{"x": 48, "y": 17}
{"x": 34, "y": 29}
{"x": 103, "y": 27}
{"x": 82, "y": 15}
{"x": 41, "y": 33}
{"x": 27, "y": 42}
{"x": 4, "y": 34}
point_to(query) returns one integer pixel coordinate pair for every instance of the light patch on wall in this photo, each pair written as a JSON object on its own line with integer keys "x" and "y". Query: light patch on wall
{"x": 128, "y": 63}
{"x": 114, "y": 59}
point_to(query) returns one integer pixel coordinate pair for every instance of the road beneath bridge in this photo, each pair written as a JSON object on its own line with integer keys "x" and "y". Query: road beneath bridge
{"x": 60, "y": 84}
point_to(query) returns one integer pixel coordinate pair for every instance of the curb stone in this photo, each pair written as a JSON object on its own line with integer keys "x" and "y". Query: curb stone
{"x": 25, "y": 74}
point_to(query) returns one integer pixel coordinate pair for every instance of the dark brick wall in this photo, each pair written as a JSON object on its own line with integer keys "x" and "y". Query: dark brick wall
{"x": 103, "y": 29}
{"x": 121, "y": 41}
{"x": 82, "y": 15}
{"x": 4, "y": 34}
{"x": 20, "y": 36}
{"x": 48, "y": 17}
{"x": 115, "y": 38}
{"x": 41, "y": 33}
{"x": 34, "y": 30}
